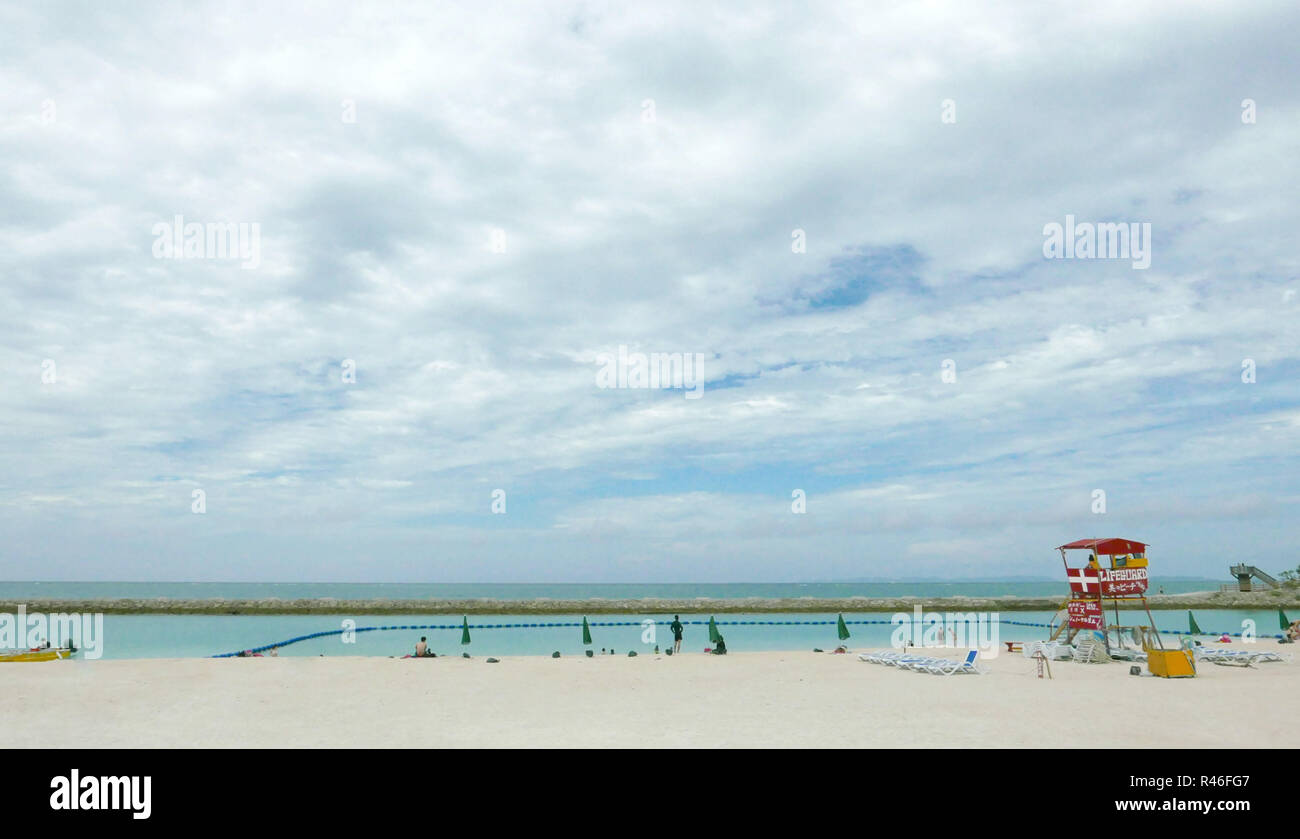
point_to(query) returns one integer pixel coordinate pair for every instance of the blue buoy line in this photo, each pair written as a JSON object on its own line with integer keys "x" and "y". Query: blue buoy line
{"x": 410, "y": 627}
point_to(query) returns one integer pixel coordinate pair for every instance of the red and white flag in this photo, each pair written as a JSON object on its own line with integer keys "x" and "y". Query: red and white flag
{"x": 1083, "y": 581}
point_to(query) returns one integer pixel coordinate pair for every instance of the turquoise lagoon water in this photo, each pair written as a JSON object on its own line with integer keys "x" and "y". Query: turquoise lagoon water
{"x": 181, "y": 636}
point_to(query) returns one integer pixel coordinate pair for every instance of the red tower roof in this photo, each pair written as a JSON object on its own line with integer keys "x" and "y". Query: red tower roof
{"x": 1107, "y": 547}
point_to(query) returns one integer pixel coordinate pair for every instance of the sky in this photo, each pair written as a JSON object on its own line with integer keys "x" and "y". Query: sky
{"x": 464, "y": 211}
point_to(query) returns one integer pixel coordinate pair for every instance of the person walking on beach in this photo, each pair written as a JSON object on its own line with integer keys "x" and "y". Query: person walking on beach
{"x": 676, "y": 627}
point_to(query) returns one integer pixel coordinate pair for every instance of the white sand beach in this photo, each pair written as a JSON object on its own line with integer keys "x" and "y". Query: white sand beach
{"x": 763, "y": 699}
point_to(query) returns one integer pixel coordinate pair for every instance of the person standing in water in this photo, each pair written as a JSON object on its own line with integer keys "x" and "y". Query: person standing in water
{"x": 676, "y": 627}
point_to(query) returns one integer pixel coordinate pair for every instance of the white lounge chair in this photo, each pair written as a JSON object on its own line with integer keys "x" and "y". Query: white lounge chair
{"x": 924, "y": 663}
{"x": 1248, "y": 657}
{"x": 914, "y": 662}
{"x": 895, "y": 658}
{"x": 887, "y": 657}
{"x": 948, "y": 667}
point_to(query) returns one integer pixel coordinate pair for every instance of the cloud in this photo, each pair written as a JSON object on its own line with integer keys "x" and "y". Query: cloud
{"x": 523, "y": 189}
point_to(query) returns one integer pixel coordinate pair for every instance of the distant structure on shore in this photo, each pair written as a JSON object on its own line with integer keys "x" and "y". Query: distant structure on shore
{"x": 1243, "y": 573}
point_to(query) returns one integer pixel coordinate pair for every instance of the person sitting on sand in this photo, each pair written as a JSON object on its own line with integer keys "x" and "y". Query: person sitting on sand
{"x": 720, "y": 648}
{"x": 422, "y": 647}
{"x": 676, "y": 627}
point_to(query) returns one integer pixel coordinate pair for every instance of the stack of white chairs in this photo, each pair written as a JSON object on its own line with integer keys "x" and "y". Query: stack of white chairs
{"x": 1091, "y": 652}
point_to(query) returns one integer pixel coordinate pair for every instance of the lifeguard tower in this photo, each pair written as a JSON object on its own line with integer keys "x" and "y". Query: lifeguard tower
{"x": 1115, "y": 573}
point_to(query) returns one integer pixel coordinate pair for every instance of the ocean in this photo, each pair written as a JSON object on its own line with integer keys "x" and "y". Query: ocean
{"x": 506, "y": 634}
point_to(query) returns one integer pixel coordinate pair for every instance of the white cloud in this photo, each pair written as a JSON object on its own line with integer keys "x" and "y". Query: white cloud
{"x": 475, "y": 368}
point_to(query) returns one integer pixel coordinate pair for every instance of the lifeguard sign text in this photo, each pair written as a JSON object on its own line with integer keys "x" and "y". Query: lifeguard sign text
{"x": 1122, "y": 581}
{"x": 1085, "y": 614}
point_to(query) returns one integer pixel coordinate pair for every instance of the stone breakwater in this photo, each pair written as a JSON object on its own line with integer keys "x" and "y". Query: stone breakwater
{"x": 1277, "y": 598}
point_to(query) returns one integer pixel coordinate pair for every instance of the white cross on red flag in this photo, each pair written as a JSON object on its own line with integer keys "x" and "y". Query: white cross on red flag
{"x": 1083, "y": 580}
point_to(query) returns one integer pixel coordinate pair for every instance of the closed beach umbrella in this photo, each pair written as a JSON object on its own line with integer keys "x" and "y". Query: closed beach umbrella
{"x": 1282, "y": 622}
{"x": 464, "y": 631}
{"x": 586, "y": 632}
{"x": 842, "y": 630}
{"x": 713, "y": 631}
{"x": 1191, "y": 624}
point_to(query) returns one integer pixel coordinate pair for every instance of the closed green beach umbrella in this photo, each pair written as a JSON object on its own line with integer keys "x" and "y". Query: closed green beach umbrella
{"x": 713, "y": 631}
{"x": 1282, "y": 622}
{"x": 586, "y": 632}
{"x": 1192, "y": 628}
{"x": 842, "y": 630}
{"x": 464, "y": 631}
